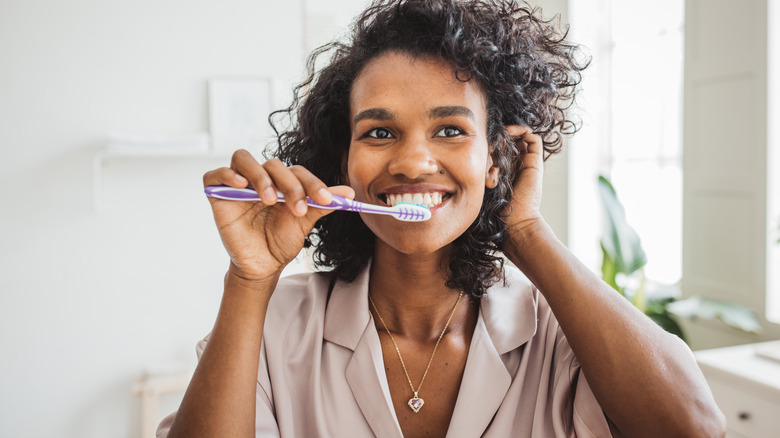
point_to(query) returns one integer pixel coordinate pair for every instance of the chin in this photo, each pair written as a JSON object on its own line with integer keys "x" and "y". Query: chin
{"x": 414, "y": 239}
{"x": 414, "y": 244}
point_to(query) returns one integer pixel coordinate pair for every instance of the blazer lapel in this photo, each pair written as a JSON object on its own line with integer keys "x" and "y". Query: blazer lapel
{"x": 484, "y": 385}
{"x": 507, "y": 320}
{"x": 367, "y": 379}
{"x": 349, "y": 324}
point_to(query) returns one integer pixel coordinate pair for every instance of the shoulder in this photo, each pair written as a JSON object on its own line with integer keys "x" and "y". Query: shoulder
{"x": 514, "y": 297}
{"x": 509, "y": 310}
{"x": 299, "y": 288}
{"x": 535, "y": 319}
{"x": 296, "y": 310}
{"x": 515, "y": 312}
{"x": 299, "y": 300}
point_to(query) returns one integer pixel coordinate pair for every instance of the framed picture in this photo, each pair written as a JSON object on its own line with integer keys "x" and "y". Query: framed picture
{"x": 238, "y": 113}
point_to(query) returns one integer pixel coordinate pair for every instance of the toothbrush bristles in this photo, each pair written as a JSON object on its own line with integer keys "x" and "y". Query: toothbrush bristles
{"x": 409, "y": 211}
{"x": 412, "y": 203}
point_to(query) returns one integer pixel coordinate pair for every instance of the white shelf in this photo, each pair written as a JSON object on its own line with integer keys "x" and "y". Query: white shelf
{"x": 101, "y": 158}
{"x": 107, "y": 153}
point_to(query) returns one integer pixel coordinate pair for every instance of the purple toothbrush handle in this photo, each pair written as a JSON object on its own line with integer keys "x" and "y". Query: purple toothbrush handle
{"x": 249, "y": 194}
{"x": 412, "y": 213}
{"x": 231, "y": 194}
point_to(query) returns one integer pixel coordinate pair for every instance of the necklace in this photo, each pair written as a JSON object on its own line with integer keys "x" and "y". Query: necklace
{"x": 416, "y": 403}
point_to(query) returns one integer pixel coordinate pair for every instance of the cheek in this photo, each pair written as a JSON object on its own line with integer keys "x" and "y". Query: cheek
{"x": 479, "y": 166}
{"x": 360, "y": 167}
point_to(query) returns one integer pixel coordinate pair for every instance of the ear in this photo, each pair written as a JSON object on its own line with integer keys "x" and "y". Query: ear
{"x": 491, "y": 175}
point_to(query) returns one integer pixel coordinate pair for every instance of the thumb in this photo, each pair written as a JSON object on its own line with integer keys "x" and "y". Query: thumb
{"x": 343, "y": 191}
{"x": 314, "y": 214}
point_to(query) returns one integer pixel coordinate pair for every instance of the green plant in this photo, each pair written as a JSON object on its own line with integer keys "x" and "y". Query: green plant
{"x": 624, "y": 259}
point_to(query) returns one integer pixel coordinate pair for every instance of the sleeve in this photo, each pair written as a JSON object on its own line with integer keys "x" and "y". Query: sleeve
{"x": 265, "y": 421}
{"x": 572, "y": 393}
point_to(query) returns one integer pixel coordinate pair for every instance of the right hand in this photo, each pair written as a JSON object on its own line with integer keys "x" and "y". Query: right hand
{"x": 261, "y": 238}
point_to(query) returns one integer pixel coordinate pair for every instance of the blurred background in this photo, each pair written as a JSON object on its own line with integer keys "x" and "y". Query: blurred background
{"x": 110, "y": 112}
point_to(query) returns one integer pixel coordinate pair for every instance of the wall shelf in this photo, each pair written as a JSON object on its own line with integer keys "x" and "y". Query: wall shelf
{"x": 103, "y": 157}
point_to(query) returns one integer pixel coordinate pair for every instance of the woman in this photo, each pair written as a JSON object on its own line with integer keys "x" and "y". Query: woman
{"x": 418, "y": 329}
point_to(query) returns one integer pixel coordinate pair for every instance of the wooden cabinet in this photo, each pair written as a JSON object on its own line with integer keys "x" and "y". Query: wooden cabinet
{"x": 745, "y": 381}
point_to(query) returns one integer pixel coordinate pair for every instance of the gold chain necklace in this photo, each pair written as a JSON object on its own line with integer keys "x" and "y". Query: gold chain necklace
{"x": 416, "y": 403}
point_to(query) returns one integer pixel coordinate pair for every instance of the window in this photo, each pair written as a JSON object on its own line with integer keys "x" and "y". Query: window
{"x": 773, "y": 169}
{"x": 632, "y": 126}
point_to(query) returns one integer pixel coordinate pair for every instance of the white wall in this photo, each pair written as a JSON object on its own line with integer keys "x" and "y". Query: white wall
{"x": 725, "y": 229}
{"x": 90, "y": 301}
{"x": 555, "y": 200}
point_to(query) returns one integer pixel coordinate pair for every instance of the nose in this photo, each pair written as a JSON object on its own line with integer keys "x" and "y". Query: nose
{"x": 413, "y": 159}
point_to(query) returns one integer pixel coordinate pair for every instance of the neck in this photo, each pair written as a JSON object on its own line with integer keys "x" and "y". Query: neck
{"x": 410, "y": 294}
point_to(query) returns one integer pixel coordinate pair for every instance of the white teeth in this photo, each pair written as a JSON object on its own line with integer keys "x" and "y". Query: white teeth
{"x": 429, "y": 200}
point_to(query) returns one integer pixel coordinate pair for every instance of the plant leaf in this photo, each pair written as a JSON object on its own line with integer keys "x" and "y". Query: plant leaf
{"x": 669, "y": 324}
{"x": 639, "y": 300}
{"x": 609, "y": 271}
{"x": 732, "y": 315}
{"x": 619, "y": 240}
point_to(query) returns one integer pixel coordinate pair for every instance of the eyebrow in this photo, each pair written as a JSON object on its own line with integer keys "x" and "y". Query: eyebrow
{"x": 435, "y": 113}
{"x": 449, "y": 111}
{"x": 373, "y": 114}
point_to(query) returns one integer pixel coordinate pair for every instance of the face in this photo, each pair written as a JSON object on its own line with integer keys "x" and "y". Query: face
{"x": 420, "y": 135}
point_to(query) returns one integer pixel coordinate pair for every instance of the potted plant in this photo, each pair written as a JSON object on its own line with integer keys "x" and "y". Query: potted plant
{"x": 622, "y": 268}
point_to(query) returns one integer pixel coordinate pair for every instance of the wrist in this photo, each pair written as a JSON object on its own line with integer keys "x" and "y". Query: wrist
{"x": 522, "y": 241}
{"x": 235, "y": 278}
{"x": 249, "y": 273}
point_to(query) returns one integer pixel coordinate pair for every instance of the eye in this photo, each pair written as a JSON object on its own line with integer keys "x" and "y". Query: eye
{"x": 379, "y": 133}
{"x": 449, "y": 131}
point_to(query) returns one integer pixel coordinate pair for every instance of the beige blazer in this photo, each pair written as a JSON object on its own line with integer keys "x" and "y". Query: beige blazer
{"x": 322, "y": 374}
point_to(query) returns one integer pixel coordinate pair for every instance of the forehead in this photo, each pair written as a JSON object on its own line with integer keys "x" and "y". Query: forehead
{"x": 397, "y": 79}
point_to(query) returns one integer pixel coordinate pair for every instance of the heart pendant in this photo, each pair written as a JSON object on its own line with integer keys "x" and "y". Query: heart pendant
{"x": 416, "y": 404}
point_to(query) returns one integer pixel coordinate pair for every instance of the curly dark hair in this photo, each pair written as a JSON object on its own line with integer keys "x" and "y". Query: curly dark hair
{"x": 522, "y": 63}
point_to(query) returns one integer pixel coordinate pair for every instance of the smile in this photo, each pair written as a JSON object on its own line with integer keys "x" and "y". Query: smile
{"x": 427, "y": 199}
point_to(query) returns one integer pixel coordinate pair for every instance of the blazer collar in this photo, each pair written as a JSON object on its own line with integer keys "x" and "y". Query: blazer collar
{"x": 507, "y": 320}
{"x": 347, "y": 314}
{"x": 508, "y": 311}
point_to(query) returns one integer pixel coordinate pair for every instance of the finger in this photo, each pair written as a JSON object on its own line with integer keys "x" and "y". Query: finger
{"x": 313, "y": 186}
{"x": 288, "y": 183}
{"x": 534, "y": 144}
{"x": 314, "y": 214}
{"x": 245, "y": 164}
{"x": 224, "y": 176}
{"x": 343, "y": 191}
{"x": 516, "y": 131}
{"x": 526, "y": 139}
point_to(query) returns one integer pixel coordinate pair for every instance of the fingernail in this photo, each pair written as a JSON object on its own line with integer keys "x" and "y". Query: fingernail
{"x": 324, "y": 193}
{"x": 269, "y": 194}
{"x": 239, "y": 179}
{"x": 300, "y": 207}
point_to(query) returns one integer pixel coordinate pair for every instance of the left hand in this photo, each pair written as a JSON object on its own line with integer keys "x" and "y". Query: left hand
{"x": 523, "y": 211}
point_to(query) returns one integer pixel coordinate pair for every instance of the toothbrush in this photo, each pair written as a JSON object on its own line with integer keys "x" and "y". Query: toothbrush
{"x": 402, "y": 211}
